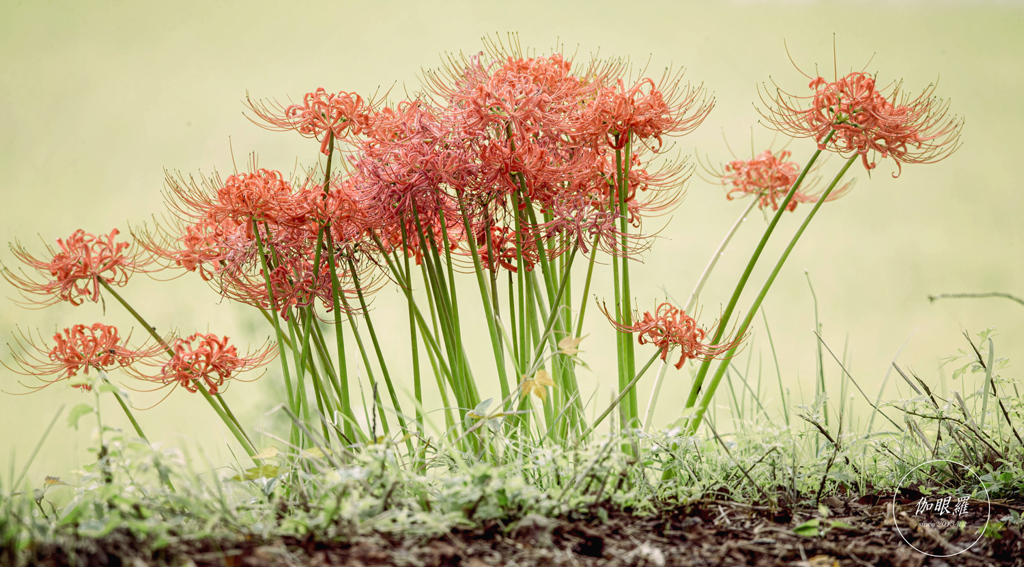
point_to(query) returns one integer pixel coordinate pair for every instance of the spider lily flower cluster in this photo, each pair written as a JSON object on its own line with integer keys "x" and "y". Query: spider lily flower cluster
{"x": 509, "y": 167}
{"x": 768, "y": 177}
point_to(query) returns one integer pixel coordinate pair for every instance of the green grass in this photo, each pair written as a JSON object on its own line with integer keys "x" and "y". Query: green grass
{"x": 164, "y": 495}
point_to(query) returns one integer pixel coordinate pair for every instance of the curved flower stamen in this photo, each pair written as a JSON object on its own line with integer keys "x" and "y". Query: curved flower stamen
{"x": 670, "y": 326}
{"x": 78, "y": 349}
{"x": 866, "y": 121}
{"x": 769, "y": 178}
{"x": 77, "y": 266}
{"x": 207, "y": 358}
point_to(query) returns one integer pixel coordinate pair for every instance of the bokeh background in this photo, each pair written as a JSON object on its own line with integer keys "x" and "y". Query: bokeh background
{"x": 99, "y": 98}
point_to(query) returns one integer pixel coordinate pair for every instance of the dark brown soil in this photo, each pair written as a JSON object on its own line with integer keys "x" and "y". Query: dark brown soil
{"x": 707, "y": 532}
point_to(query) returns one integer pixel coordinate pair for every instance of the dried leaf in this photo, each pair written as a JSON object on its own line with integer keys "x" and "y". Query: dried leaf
{"x": 536, "y": 385}
{"x": 568, "y": 345}
{"x": 543, "y": 378}
{"x": 54, "y": 480}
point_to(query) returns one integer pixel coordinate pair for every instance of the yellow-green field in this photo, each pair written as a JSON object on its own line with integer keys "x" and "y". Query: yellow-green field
{"x": 98, "y": 98}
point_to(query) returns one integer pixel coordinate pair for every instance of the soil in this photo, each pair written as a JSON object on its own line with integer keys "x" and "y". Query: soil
{"x": 705, "y": 532}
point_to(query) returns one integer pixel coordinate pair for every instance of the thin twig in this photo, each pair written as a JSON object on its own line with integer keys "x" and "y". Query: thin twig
{"x": 934, "y": 298}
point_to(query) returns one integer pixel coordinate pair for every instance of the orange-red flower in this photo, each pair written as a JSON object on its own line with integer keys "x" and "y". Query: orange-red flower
{"x": 503, "y": 244}
{"x": 320, "y": 116}
{"x": 77, "y": 349}
{"x": 209, "y": 358}
{"x": 646, "y": 110}
{"x": 769, "y": 177}
{"x": 668, "y": 327}
{"x": 866, "y": 121}
{"x": 77, "y": 266}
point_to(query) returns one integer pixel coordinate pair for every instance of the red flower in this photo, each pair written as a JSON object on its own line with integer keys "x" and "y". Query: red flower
{"x": 669, "y": 327}
{"x": 866, "y": 121}
{"x": 503, "y": 244}
{"x": 203, "y": 247}
{"x": 77, "y": 266}
{"x": 646, "y": 110}
{"x": 77, "y": 349}
{"x": 769, "y": 177}
{"x": 209, "y": 358}
{"x": 321, "y": 113}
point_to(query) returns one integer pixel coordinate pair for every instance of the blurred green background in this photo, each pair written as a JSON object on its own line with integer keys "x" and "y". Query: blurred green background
{"x": 99, "y": 97}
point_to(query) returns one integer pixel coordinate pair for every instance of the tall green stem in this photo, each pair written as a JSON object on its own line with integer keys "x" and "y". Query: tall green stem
{"x": 723, "y": 366}
{"x": 225, "y": 414}
{"x": 720, "y": 329}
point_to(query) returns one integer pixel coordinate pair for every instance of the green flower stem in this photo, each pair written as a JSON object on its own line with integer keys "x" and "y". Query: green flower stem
{"x": 521, "y": 279}
{"x": 622, "y": 394}
{"x": 542, "y": 248}
{"x": 720, "y": 329}
{"x": 380, "y": 355}
{"x": 300, "y": 371}
{"x": 309, "y": 319}
{"x": 425, "y": 331}
{"x": 623, "y": 163}
{"x": 277, "y": 328}
{"x": 414, "y": 346}
{"x": 442, "y": 322}
{"x": 124, "y": 406}
{"x": 564, "y": 374}
{"x": 655, "y": 393}
{"x": 538, "y": 339}
{"x": 433, "y": 275}
{"x": 723, "y": 366}
{"x": 454, "y": 302}
{"x": 489, "y": 314}
{"x": 554, "y": 315}
{"x": 344, "y": 397}
{"x": 620, "y": 274}
{"x": 323, "y": 400}
{"x": 225, "y": 415}
{"x": 369, "y": 371}
{"x": 514, "y": 320}
{"x": 586, "y": 287}
{"x": 692, "y": 301}
{"x": 320, "y": 345}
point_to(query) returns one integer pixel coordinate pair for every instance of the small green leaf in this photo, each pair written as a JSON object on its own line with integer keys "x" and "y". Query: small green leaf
{"x": 810, "y": 528}
{"x": 993, "y": 530}
{"x": 266, "y": 471}
{"x": 77, "y": 412}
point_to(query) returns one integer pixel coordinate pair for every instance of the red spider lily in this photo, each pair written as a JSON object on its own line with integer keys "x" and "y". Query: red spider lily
{"x": 207, "y": 358}
{"x": 402, "y": 172}
{"x": 646, "y": 110}
{"x": 77, "y": 266}
{"x": 769, "y": 177}
{"x": 534, "y": 95}
{"x": 868, "y": 122}
{"x": 500, "y": 250}
{"x": 263, "y": 196}
{"x": 77, "y": 349}
{"x": 293, "y": 285}
{"x": 669, "y": 327}
{"x": 215, "y": 236}
{"x": 341, "y": 207}
{"x": 203, "y": 247}
{"x": 320, "y": 116}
